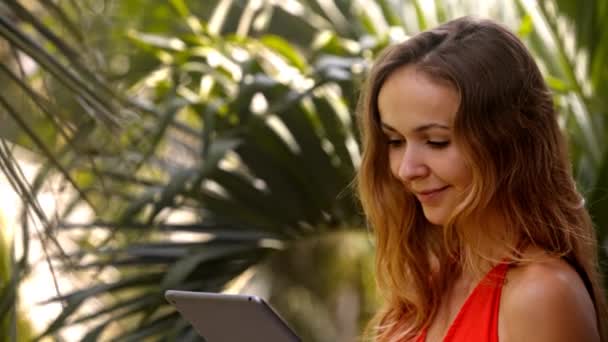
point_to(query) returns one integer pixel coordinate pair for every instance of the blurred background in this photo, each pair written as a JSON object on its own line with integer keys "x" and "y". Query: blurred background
{"x": 211, "y": 146}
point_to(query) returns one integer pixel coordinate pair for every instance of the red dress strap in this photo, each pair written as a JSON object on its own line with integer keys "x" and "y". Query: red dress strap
{"x": 477, "y": 320}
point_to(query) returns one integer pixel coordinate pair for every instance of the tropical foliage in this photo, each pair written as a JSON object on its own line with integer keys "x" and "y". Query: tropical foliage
{"x": 214, "y": 143}
{"x": 14, "y": 325}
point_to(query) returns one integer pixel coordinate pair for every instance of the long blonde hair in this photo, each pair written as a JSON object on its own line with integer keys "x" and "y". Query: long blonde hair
{"x": 508, "y": 130}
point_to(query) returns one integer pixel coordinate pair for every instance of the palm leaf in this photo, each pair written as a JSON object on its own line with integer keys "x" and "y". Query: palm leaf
{"x": 263, "y": 189}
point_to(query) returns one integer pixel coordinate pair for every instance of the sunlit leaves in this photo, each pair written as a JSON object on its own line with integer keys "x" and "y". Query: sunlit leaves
{"x": 237, "y": 118}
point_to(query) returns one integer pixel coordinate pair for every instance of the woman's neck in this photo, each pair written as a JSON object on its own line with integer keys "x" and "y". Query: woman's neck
{"x": 490, "y": 243}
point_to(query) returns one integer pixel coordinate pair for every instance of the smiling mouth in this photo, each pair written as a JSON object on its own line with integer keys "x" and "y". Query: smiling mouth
{"x": 429, "y": 196}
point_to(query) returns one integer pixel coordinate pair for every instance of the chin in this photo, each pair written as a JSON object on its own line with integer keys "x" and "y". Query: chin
{"x": 436, "y": 222}
{"x": 435, "y": 218}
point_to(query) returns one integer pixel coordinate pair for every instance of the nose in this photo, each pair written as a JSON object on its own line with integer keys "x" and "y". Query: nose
{"x": 412, "y": 166}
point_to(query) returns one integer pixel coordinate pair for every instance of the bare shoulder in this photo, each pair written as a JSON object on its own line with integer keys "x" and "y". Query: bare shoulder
{"x": 546, "y": 301}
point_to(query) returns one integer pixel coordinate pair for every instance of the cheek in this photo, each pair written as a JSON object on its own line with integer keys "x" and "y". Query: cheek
{"x": 394, "y": 162}
{"x": 465, "y": 178}
{"x": 462, "y": 174}
{"x": 456, "y": 170}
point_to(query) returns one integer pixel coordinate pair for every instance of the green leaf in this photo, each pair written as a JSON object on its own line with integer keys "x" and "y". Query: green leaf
{"x": 390, "y": 13}
{"x": 183, "y": 268}
{"x": 286, "y": 50}
{"x": 421, "y": 16}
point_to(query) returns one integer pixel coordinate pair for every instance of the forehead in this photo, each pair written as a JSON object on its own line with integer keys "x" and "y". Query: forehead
{"x": 410, "y": 98}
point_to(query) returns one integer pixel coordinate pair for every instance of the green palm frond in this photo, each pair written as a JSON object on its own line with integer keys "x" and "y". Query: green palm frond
{"x": 238, "y": 118}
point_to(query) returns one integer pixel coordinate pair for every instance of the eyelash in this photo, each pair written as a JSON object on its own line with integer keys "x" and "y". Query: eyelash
{"x": 394, "y": 142}
{"x": 438, "y": 144}
{"x": 431, "y": 143}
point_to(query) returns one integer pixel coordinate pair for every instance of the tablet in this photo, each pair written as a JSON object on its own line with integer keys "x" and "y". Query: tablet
{"x": 231, "y": 318}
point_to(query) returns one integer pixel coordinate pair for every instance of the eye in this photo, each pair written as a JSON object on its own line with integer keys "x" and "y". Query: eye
{"x": 394, "y": 142}
{"x": 438, "y": 143}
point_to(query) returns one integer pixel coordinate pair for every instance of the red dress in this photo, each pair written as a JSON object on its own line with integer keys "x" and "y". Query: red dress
{"x": 477, "y": 320}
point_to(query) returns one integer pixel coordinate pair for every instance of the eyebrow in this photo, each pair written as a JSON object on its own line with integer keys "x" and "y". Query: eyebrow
{"x": 418, "y": 129}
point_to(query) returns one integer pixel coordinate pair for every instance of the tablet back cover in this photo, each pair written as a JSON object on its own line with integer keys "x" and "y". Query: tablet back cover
{"x": 231, "y": 318}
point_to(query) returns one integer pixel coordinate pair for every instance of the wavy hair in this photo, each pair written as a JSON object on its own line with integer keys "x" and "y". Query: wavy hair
{"x": 507, "y": 127}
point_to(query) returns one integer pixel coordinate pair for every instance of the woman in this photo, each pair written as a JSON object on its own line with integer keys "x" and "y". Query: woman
{"x": 481, "y": 234}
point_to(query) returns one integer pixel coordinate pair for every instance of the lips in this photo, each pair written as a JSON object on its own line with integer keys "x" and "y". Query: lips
{"x": 429, "y": 196}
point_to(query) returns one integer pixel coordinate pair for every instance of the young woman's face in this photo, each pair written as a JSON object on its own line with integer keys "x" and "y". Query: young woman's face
{"x": 417, "y": 117}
